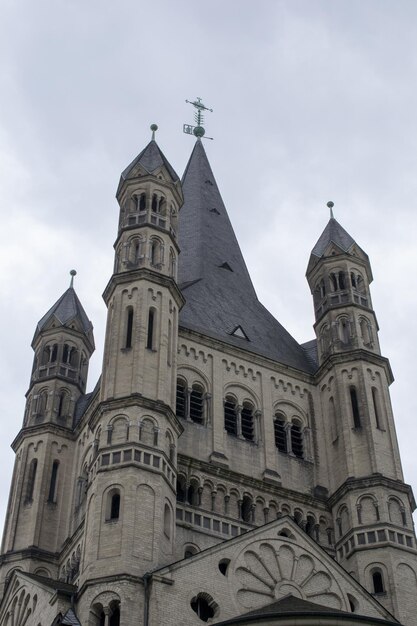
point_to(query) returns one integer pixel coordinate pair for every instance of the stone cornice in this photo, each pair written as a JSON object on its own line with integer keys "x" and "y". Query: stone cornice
{"x": 135, "y": 399}
{"x": 218, "y": 471}
{"x": 366, "y": 482}
{"x": 354, "y": 356}
{"x": 144, "y": 273}
{"x": 47, "y": 427}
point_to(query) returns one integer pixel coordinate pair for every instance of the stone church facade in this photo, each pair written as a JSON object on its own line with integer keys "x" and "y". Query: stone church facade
{"x": 219, "y": 471}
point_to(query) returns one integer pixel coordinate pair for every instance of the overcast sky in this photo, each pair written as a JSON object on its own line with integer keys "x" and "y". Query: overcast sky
{"x": 313, "y": 101}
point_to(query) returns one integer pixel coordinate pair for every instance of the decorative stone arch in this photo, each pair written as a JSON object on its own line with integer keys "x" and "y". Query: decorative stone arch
{"x": 343, "y": 326}
{"x": 119, "y": 425}
{"x": 343, "y": 520}
{"x": 367, "y": 509}
{"x": 156, "y": 251}
{"x": 190, "y": 549}
{"x": 338, "y": 279}
{"x": 396, "y": 511}
{"x": 366, "y": 331}
{"x": 62, "y": 407}
{"x": 208, "y": 495}
{"x": 170, "y": 450}
{"x": 112, "y": 502}
{"x": 135, "y": 250}
{"x": 103, "y": 604}
{"x": 261, "y": 512}
{"x": 232, "y": 503}
{"x": 376, "y": 576}
{"x": 148, "y": 430}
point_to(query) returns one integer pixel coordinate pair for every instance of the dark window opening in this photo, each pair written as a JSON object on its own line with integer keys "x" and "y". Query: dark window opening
{"x": 196, "y": 404}
{"x": 376, "y": 408}
{"x": 151, "y": 323}
{"x": 378, "y": 582}
{"x": 280, "y": 435}
{"x": 333, "y": 280}
{"x": 154, "y": 203}
{"x": 353, "y": 279}
{"x": 192, "y": 495}
{"x": 355, "y": 408}
{"x": 230, "y": 416}
{"x": 115, "y": 617}
{"x": 142, "y": 202}
{"x": 297, "y": 440}
{"x": 61, "y": 404}
{"x": 180, "y": 491}
{"x": 31, "y": 480}
{"x": 342, "y": 284}
{"x": 52, "y": 484}
{"x": 246, "y": 510}
{"x": 181, "y": 399}
{"x": 129, "y": 328}
{"x": 203, "y": 609}
{"x": 223, "y": 566}
{"x": 247, "y": 422}
{"x": 115, "y": 506}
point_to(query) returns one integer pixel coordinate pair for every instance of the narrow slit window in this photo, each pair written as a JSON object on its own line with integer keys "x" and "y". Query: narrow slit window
{"x": 378, "y": 582}
{"x": 151, "y": 328}
{"x": 129, "y": 327}
{"x": 52, "y": 484}
{"x": 375, "y": 401}
{"x": 355, "y": 408}
{"x": 30, "y": 486}
{"x": 115, "y": 506}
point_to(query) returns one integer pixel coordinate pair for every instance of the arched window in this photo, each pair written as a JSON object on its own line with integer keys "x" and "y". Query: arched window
{"x": 30, "y": 485}
{"x": 197, "y": 404}
{"x": 181, "y": 489}
{"x": 280, "y": 433}
{"x": 129, "y": 327}
{"x": 353, "y": 279}
{"x": 167, "y": 521}
{"x": 53, "y": 481}
{"x": 142, "y": 202}
{"x": 154, "y": 203}
{"x": 355, "y": 407}
{"x": 190, "y": 551}
{"x": 115, "y": 506}
{"x": 230, "y": 415}
{"x": 333, "y": 282}
{"x": 246, "y": 510}
{"x": 322, "y": 288}
{"x": 344, "y": 330}
{"x": 151, "y": 330}
{"x": 172, "y": 264}
{"x": 342, "y": 282}
{"x": 297, "y": 439}
{"x": 378, "y": 582}
{"x": 365, "y": 331}
{"x": 42, "y": 402}
{"x": 247, "y": 417}
{"x": 192, "y": 494}
{"x": 62, "y": 408}
{"x": 181, "y": 398}
{"x": 204, "y": 606}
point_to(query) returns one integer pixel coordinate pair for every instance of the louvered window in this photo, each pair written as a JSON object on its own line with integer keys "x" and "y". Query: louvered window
{"x": 247, "y": 421}
{"x": 230, "y": 415}
{"x": 297, "y": 440}
{"x": 280, "y": 435}
{"x": 196, "y": 404}
{"x": 181, "y": 399}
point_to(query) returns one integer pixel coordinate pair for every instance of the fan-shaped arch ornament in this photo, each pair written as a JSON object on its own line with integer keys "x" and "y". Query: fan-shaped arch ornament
{"x": 268, "y": 570}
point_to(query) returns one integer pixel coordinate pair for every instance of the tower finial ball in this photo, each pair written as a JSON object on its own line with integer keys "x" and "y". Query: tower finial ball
{"x": 330, "y": 204}
{"x": 73, "y": 273}
{"x": 154, "y": 127}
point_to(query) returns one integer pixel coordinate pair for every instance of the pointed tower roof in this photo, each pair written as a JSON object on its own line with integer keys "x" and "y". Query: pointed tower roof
{"x": 150, "y": 159}
{"x": 66, "y": 310}
{"x": 220, "y": 299}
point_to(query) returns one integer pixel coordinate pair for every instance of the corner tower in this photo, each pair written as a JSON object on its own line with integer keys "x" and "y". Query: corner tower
{"x": 131, "y": 499}
{"x": 63, "y": 344}
{"x": 371, "y": 505}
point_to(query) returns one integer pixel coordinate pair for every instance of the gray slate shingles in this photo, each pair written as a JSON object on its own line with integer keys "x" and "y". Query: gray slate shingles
{"x": 217, "y": 299}
{"x": 66, "y": 309}
{"x": 151, "y": 158}
{"x": 335, "y": 233}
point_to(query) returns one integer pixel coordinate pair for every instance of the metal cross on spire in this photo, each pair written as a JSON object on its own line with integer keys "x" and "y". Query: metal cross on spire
{"x": 198, "y": 130}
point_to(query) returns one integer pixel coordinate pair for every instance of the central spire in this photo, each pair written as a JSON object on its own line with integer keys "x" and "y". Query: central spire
{"x": 220, "y": 299}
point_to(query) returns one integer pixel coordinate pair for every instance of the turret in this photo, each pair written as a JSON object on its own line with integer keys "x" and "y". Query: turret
{"x": 63, "y": 344}
{"x": 339, "y": 275}
{"x": 370, "y": 503}
{"x": 132, "y": 519}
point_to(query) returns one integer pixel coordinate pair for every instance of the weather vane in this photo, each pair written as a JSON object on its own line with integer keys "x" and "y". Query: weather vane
{"x": 198, "y": 130}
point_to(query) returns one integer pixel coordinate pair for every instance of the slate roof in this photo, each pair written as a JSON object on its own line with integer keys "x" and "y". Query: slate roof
{"x": 70, "y": 619}
{"x": 53, "y": 584}
{"x": 65, "y": 310}
{"x": 335, "y": 233}
{"x": 213, "y": 276}
{"x": 296, "y": 607}
{"x": 151, "y": 158}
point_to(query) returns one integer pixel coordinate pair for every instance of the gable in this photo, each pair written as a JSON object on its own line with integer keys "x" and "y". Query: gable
{"x": 256, "y": 569}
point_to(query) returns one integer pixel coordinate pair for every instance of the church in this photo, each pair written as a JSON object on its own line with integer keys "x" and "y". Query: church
{"x": 219, "y": 472}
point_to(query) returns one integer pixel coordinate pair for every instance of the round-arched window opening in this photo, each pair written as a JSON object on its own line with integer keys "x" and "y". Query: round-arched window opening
{"x": 224, "y": 566}
{"x": 190, "y": 551}
{"x": 204, "y": 606}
